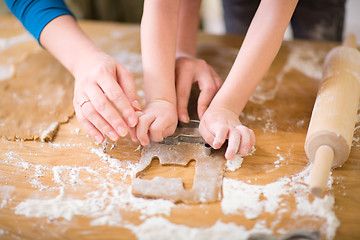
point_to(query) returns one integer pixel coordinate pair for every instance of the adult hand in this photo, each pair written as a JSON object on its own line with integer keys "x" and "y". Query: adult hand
{"x": 105, "y": 98}
{"x": 219, "y": 124}
{"x": 158, "y": 120}
{"x": 187, "y": 71}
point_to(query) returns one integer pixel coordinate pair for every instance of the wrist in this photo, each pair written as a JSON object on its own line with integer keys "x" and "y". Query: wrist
{"x": 228, "y": 102}
{"x": 159, "y": 90}
{"x": 84, "y": 59}
{"x": 180, "y": 54}
{"x": 160, "y": 98}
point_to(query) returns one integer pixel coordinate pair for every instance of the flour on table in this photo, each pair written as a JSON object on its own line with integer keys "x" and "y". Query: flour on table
{"x": 5, "y": 195}
{"x": 9, "y": 42}
{"x": 104, "y": 203}
{"x": 130, "y": 60}
{"x": 161, "y": 228}
{"x": 6, "y": 72}
{"x": 242, "y": 198}
{"x": 303, "y": 58}
{"x": 109, "y": 196}
{"x": 234, "y": 163}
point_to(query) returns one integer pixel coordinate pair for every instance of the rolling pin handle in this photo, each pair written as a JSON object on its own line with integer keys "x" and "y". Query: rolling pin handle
{"x": 320, "y": 171}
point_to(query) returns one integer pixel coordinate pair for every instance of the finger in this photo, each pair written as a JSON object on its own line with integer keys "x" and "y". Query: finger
{"x": 252, "y": 139}
{"x": 87, "y": 125}
{"x": 221, "y": 133}
{"x": 126, "y": 81}
{"x": 170, "y": 130}
{"x": 160, "y": 129}
{"x": 208, "y": 89}
{"x": 218, "y": 80}
{"x": 106, "y": 111}
{"x": 142, "y": 128}
{"x": 233, "y": 144}
{"x": 98, "y": 121}
{"x": 132, "y": 130}
{"x": 115, "y": 94}
{"x": 156, "y": 130}
{"x": 184, "y": 80}
{"x": 245, "y": 146}
{"x": 205, "y": 133}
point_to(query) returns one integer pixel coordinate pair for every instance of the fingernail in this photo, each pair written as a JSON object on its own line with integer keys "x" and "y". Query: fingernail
{"x": 216, "y": 144}
{"x": 98, "y": 138}
{"x": 184, "y": 118}
{"x": 132, "y": 121}
{"x": 113, "y": 136}
{"x": 134, "y": 139}
{"x": 122, "y": 131}
{"x": 136, "y": 105}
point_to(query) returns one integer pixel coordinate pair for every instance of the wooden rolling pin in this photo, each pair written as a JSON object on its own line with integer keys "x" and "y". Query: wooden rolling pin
{"x": 330, "y": 134}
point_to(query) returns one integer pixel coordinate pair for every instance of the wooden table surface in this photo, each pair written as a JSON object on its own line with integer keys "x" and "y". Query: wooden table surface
{"x": 72, "y": 188}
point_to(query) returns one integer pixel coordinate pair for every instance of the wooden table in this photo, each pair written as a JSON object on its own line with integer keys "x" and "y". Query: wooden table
{"x": 72, "y": 188}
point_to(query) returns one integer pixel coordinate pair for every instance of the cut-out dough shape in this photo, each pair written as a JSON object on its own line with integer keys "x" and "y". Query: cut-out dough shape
{"x": 209, "y": 171}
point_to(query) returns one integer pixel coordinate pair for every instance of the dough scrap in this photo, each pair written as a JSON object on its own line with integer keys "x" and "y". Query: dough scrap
{"x": 209, "y": 171}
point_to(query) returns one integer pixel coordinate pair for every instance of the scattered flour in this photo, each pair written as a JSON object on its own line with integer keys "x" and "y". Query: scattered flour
{"x": 6, "y": 72}
{"x": 302, "y": 58}
{"x": 235, "y": 163}
{"x": 254, "y": 200}
{"x": 160, "y": 228}
{"x": 281, "y": 158}
{"x": 108, "y": 196}
{"x": 130, "y": 60}
{"x": 9, "y": 42}
{"x": 104, "y": 203}
{"x": 5, "y": 195}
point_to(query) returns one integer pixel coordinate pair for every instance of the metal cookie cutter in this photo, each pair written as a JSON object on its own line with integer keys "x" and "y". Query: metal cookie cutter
{"x": 188, "y": 133}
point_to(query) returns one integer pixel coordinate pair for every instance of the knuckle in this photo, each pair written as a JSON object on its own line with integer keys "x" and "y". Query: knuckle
{"x": 89, "y": 114}
{"x": 211, "y": 88}
{"x": 182, "y": 93}
{"x": 80, "y": 117}
{"x": 100, "y": 105}
{"x": 202, "y": 63}
{"x": 119, "y": 124}
{"x": 156, "y": 134}
{"x": 185, "y": 64}
{"x": 114, "y": 95}
{"x": 156, "y": 138}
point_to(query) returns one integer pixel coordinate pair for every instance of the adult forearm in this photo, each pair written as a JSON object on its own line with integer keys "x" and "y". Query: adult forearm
{"x": 67, "y": 42}
{"x": 35, "y": 15}
{"x": 158, "y": 42}
{"x": 261, "y": 44}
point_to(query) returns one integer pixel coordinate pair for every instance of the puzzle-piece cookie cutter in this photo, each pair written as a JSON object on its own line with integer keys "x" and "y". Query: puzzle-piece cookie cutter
{"x": 184, "y": 145}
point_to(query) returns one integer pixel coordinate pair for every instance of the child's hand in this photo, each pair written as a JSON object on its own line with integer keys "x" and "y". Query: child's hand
{"x": 219, "y": 124}
{"x": 189, "y": 70}
{"x": 104, "y": 97}
{"x": 159, "y": 120}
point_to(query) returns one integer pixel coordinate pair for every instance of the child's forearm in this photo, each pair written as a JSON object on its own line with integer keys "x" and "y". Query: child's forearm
{"x": 67, "y": 42}
{"x": 158, "y": 44}
{"x": 188, "y": 27}
{"x": 261, "y": 44}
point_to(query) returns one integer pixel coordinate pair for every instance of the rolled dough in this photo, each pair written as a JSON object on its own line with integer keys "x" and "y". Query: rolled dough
{"x": 209, "y": 171}
{"x": 36, "y": 98}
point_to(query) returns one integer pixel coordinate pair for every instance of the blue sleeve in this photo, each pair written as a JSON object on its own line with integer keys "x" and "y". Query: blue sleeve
{"x": 36, "y": 14}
